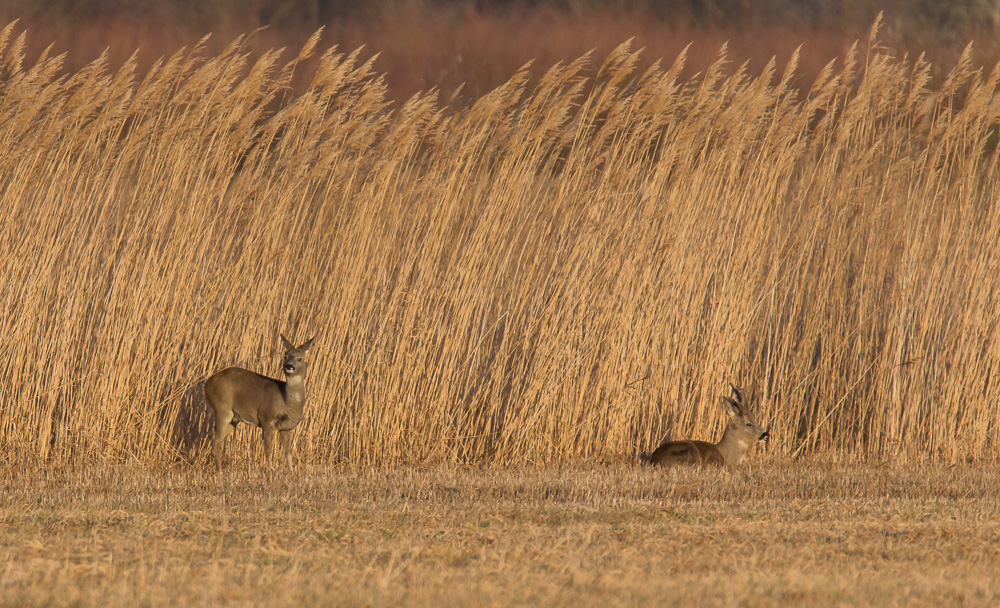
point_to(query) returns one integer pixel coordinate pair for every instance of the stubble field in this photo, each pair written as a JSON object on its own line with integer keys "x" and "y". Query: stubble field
{"x": 774, "y": 533}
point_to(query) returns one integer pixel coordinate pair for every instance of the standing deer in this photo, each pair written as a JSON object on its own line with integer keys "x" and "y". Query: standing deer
{"x": 238, "y": 395}
{"x": 742, "y": 431}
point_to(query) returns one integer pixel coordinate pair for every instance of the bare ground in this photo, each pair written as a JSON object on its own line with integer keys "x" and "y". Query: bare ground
{"x": 782, "y": 533}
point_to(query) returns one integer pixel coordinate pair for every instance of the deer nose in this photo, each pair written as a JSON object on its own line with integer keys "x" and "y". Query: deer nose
{"x": 764, "y": 437}
{"x": 289, "y": 368}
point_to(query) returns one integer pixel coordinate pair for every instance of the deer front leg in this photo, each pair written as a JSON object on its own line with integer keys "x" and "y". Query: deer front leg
{"x": 286, "y": 445}
{"x": 268, "y": 437}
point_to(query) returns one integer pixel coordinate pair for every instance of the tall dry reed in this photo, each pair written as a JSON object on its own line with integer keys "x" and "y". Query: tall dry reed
{"x": 570, "y": 268}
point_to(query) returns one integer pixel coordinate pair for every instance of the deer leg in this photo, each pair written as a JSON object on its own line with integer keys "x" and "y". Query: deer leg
{"x": 224, "y": 424}
{"x": 268, "y": 431}
{"x": 286, "y": 445}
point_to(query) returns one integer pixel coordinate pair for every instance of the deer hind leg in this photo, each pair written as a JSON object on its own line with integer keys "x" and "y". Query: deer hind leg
{"x": 224, "y": 424}
{"x": 286, "y": 445}
{"x": 676, "y": 452}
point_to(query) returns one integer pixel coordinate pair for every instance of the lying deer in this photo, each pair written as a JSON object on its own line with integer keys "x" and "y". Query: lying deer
{"x": 742, "y": 431}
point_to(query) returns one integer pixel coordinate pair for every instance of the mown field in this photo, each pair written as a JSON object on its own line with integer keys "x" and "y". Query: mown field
{"x": 774, "y": 533}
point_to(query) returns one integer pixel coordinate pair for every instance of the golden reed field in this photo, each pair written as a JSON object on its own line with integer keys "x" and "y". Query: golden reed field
{"x": 512, "y": 295}
{"x": 568, "y": 269}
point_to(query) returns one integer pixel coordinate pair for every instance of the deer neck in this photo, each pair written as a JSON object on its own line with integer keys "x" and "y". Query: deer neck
{"x": 295, "y": 391}
{"x": 732, "y": 447}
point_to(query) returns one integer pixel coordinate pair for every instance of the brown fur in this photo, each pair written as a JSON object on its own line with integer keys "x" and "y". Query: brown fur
{"x": 238, "y": 395}
{"x": 741, "y": 432}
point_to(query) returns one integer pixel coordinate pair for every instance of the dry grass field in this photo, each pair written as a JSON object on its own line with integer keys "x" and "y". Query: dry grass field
{"x": 572, "y": 267}
{"x": 775, "y": 533}
{"x": 512, "y": 294}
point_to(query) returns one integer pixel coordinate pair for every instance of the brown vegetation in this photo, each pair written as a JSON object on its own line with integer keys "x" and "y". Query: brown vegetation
{"x": 477, "y": 45}
{"x": 770, "y": 535}
{"x": 567, "y": 268}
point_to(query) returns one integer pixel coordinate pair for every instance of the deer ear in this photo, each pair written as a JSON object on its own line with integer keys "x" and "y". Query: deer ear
{"x": 732, "y": 408}
{"x": 736, "y": 393}
{"x": 305, "y": 345}
{"x": 284, "y": 342}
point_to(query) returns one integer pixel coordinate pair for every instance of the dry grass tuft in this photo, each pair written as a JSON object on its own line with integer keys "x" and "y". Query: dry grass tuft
{"x": 565, "y": 270}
